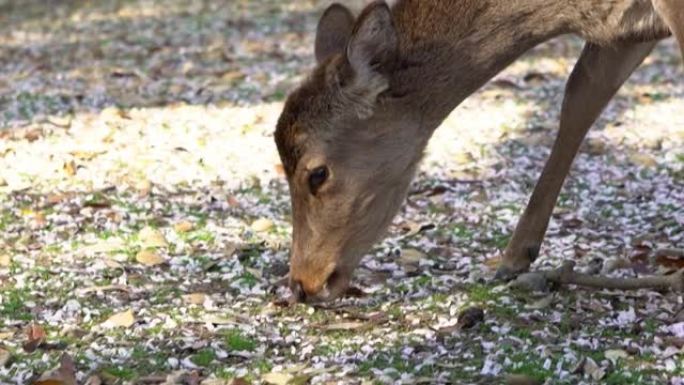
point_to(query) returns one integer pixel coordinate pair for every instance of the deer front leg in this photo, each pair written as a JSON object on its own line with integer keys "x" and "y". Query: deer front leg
{"x": 672, "y": 12}
{"x": 598, "y": 74}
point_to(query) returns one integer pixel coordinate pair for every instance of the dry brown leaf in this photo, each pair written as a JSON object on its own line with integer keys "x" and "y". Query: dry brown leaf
{"x": 183, "y": 227}
{"x": 5, "y": 335}
{"x": 195, "y": 298}
{"x": 105, "y": 288}
{"x": 4, "y": 357}
{"x": 35, "y": 335}
{"x": 262, "y": 225}
{"x": 94, "y": 380}
{"x": 341, "y": 326}
{"x": 65, "y": 374}
{"x": 149, "y": 258}
{"x": 123, "y": 319}
{"x": 70, "y": 168}
{"x": 277, "y": 378}
{"x": 643, "y": 160}
{"x": 493, "y": 263}
{"x": 151, "y": 238}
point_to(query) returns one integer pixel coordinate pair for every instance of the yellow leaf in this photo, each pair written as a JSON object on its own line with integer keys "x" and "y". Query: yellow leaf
{"x": 4, "y": 357}
{"x": 643, "y": 160}
{"x": 151, "y": 238}
{"x": 277, "y": 378}
{"x": 342, "y": 326}
{"x": 5, "y": 260}
{"x": 149, "y": 258}
{"x": 262, "y": 225}
{"x": 195, "y": 298}
{"x": 183, "y": 227}
{"x": 124, "y": 319}
{"x": 69, "y": 168}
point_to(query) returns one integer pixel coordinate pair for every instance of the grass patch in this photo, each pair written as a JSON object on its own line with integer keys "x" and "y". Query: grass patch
{"x": 236, "y": 340}
{"x": 204, "y": 357}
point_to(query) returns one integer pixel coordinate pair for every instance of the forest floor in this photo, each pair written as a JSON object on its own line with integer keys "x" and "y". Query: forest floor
{"x": 144, "y": 219}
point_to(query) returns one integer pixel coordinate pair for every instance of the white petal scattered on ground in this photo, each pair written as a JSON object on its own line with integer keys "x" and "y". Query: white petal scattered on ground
{"x": 139, "y": 128}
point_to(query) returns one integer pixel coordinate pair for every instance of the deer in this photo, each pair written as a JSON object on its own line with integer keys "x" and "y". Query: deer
{"x": 351, "y": 136}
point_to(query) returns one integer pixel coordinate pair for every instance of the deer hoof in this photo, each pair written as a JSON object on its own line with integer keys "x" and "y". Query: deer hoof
{"x": 505, "y": 274}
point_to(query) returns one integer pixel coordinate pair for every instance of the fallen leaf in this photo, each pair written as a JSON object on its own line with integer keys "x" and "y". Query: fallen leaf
{"x": 5, "y": 260}
{"x": 195, "y": 298}
{"x": 6, "y": 335}
{"x": 643, "y": 160}
{"x": 4, "y": 357}
{"x": 93, "y": 380}
{"x": 151, "y": 238}
{"x": 65, "y": 374}
{"x": 70, "y": 168}
{"x": 411, "y": 256}
{"x": 277, "y": 378}
{"x": 183, "y": 227}
{"x": 149, "y": 258}
{"x": 35, "y": 335}
{"x": 493, "y": 263}
{"x": 262, "y": 225}
{"x": 123, "y": 319}
{"x": 521, "y": 379}
{"x": 341, "y": 326}
{"x": 102, "y": 289}
{"x": 592, "y": 369}
{"x": 613, "y": 355}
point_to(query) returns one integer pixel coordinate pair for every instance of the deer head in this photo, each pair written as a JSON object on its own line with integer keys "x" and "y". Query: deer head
{"x": 349, "y": 147}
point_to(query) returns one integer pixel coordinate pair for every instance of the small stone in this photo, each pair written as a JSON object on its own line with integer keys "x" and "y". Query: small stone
{"x": 531, "y": 282}
{"x": 470, "y": 317}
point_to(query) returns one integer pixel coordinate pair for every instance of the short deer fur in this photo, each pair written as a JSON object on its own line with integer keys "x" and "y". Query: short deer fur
{"x": 352, "y": 135}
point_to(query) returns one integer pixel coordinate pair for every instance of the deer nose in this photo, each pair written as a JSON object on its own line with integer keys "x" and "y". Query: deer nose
{"x": 298, "y": 290}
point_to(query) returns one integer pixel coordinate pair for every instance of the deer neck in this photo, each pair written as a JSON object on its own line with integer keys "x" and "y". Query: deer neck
{"x": 449, "y": 49}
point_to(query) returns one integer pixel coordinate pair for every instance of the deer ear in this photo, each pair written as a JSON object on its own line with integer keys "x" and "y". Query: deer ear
{"x": 333, "y": 32}
{"x": 374, "y": 44}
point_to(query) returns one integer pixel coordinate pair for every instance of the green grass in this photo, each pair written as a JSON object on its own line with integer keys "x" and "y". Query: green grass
{"x": 14, "y": 305}
{"x": 204, "y": 357}
{"x": 121, "y": 372}
{"x": 237, "y": 341}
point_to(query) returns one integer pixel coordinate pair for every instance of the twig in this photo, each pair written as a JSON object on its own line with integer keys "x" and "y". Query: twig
{"x": 565, "y": 275}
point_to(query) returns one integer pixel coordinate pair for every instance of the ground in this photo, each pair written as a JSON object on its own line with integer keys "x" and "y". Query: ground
{"x": 144, "y": 219}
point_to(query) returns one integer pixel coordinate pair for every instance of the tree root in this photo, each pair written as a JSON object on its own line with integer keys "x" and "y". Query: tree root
{"x": 566, "y": 275}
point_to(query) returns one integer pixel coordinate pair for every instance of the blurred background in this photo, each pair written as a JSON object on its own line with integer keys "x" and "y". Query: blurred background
{"x": 144, "y": 215}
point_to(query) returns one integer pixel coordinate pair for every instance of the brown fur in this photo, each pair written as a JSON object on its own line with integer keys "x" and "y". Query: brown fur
{"x": 370, "y": 107}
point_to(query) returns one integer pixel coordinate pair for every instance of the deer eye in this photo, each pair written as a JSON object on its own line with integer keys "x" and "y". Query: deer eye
{"x": 317, "y": 177}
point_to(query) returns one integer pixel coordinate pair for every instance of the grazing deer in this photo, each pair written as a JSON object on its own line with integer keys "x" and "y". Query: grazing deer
{"x": 352, "y": 135}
